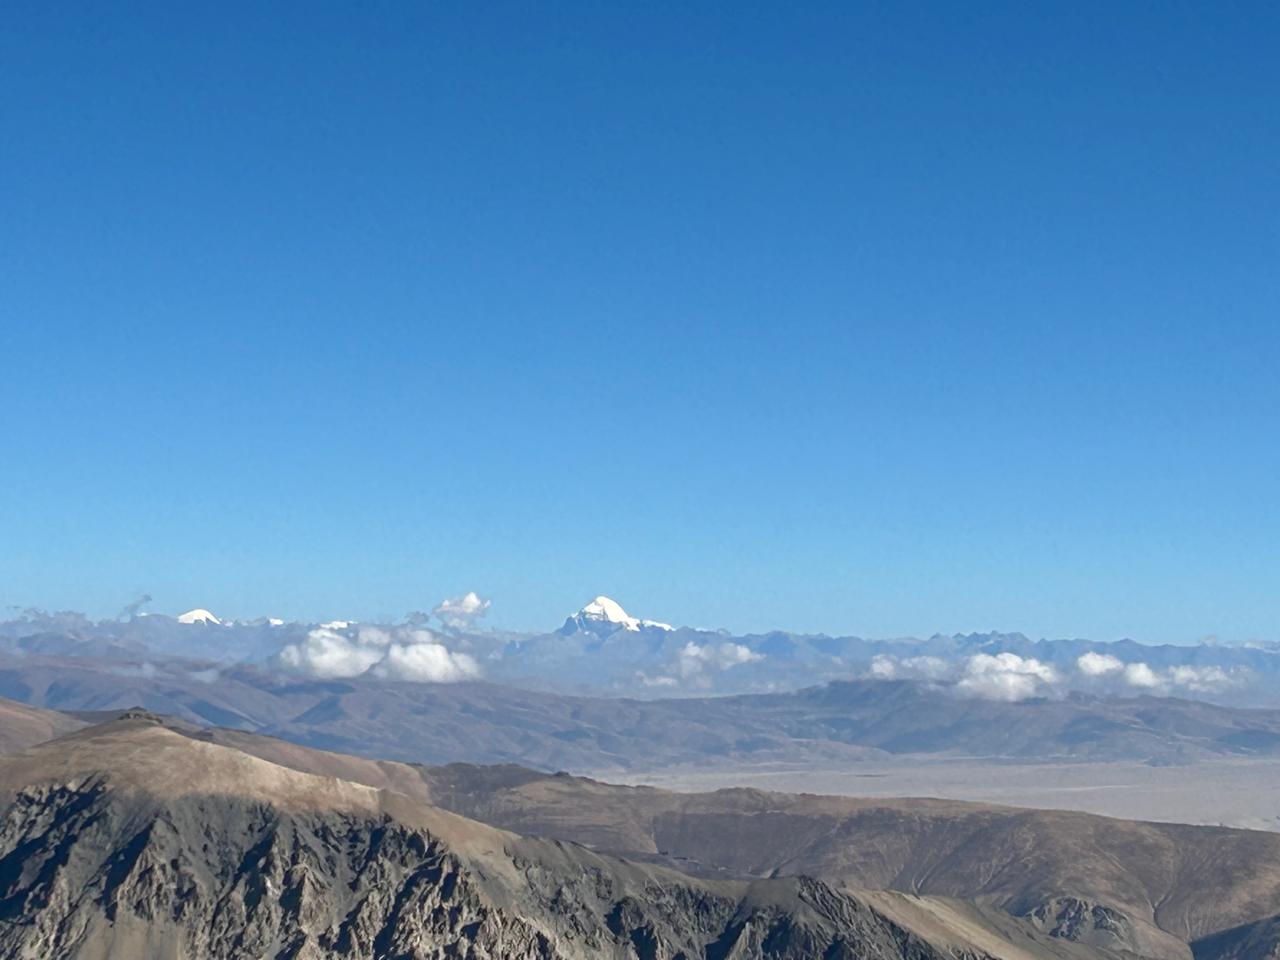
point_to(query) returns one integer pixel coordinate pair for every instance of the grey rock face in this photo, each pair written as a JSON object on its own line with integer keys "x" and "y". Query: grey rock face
{"x": 208, "y": 877}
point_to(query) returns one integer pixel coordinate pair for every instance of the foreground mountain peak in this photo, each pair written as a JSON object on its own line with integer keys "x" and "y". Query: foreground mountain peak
{"x": 133, "y": 839}
{"x": 604, "y": 614}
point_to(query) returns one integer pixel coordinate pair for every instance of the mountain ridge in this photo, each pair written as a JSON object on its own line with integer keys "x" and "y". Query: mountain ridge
{"x": 603, "y": 650}
{"x": 129, "y": 838}
{"x": 839, "y": 722}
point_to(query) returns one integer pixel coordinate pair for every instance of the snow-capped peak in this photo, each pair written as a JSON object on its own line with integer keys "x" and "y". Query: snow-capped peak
{"x": 604, "y": 611}
{"x": 198, "y": 615}
{"x": 602, "y": 608}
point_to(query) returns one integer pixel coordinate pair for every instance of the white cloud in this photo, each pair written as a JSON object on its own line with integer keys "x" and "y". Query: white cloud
{"x": 884, "y": 667}
{"x": 1201, "y": 679}
{"x": 328, "y": 653}
{"x": 659, "y": 681}
{"x": 393, "y": 654}
{"x": 1098, "y": 664}
{"x": 1141, "y": 675}
{"x": 378, "y": 636}
{"x": 463, "y": 611}
{"x": 732, "y": 654}
{"x": 717, "y": 656}
{"x": 1005, "y": 676}
{"x": 887, "y": 667}
{"x": 426, "y": 663}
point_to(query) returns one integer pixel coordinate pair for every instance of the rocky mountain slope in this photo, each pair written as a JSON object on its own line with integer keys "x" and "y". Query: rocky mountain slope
{"x": 1148, "y": 889}
{"x": 132, "y": 839}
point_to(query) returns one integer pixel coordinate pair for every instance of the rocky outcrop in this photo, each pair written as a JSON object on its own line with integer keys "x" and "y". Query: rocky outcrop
{"x": 1099, "y": 925}
{"x": 210, "y": 877}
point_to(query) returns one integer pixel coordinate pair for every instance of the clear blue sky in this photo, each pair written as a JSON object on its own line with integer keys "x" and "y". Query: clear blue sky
{"x": 870, "y": 318}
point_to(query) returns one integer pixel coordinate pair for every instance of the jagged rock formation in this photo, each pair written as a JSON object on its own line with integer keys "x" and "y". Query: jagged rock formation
{"x": 132, "y": 840}
{"x": 1100, "y": 925}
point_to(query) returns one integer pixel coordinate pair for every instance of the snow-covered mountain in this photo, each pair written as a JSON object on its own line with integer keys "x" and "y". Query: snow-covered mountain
{"x": 603, "y": 648}
{"x": 198, "y": 615}
{"x": 604, "y": 616}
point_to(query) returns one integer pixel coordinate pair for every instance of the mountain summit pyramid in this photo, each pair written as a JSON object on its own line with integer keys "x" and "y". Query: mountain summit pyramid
{"x": 604, "y": 616}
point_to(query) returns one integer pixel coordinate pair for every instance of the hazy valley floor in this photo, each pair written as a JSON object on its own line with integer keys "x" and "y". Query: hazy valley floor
{"x": 1237, "y": 793}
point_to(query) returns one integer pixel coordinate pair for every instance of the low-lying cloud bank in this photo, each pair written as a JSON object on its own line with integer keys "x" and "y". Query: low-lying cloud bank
{"x": 886, "y": 667}
{"x": 987, "y": 676}
{"x": 696, "y": 663}
{"x": 695, "y": 658}
{"x": 1206, "y": 679}
{"x": 1010, "y": 677}
{"x": 389, "y": 653}
{"x": 1006, "y": 676}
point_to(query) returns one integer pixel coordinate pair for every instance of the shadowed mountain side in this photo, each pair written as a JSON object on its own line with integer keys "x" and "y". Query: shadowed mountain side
{"x": 130, "y": 839}
{"x": 1250, "y": 941}
{"x": 479, "y": 722}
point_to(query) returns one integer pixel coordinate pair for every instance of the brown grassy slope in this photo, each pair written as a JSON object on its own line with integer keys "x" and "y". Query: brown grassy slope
{"x": 22, "y": 726}
{"x": 1189, "y": 880}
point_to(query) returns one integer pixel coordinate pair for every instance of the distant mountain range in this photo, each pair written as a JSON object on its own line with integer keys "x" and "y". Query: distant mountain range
{"x": 603, "y": 650}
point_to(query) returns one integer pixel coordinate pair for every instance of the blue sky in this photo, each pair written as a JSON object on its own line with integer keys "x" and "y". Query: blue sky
{"x": 878, "y": 319}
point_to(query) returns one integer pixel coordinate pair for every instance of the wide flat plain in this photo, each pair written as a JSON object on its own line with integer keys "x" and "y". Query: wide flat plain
{"x": 1238, "y": 793}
